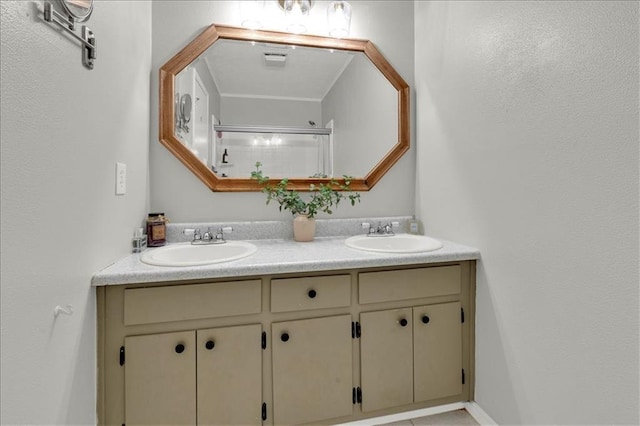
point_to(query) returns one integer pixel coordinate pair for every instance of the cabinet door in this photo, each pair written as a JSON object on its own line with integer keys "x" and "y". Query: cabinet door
{"x": 386, "y": 359}
{"x": 160, "y": 379}
{"x": 230, "y": 375}
{"x": 312, "y": 369}
{"x": 437, "y": 351}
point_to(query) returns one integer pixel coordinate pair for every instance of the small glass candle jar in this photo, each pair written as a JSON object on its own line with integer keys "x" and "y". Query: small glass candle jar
{"x": 156, "y": 230}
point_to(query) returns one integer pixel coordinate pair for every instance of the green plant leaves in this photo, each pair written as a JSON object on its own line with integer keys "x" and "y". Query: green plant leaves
{"x": 321, "y": 198}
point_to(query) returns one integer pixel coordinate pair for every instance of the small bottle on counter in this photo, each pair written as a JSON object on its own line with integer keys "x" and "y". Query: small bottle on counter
{"x": 139, "y": 240}
{"x": 156, "y": 230}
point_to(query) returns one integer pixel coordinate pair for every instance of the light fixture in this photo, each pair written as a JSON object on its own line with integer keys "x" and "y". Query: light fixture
{"x": 251, "y": 13}
{"x": 296, "y": 13}
{"x": 339, "y": 18}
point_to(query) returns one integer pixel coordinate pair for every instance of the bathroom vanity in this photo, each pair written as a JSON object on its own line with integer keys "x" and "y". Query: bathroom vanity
{"x": 297, "y": 333}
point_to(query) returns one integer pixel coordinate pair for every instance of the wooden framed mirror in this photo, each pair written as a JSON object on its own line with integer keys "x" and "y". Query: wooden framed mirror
{"x": 363, "y": 109}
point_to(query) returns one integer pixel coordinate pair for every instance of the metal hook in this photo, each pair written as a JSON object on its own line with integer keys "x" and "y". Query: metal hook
{"x": 68, "y": 310}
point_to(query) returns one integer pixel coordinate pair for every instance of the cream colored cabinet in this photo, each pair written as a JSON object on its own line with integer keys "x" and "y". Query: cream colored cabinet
{"x": 229, "y": 376}
{"x": 160, "y": 379}
{"x": 437, "y": 351}
{"x": 312, "y": 369}
{"x": 310, "y": 293}
{"x": 386, "y": 359}
{"x": 206, "y": 377}
{"x": 318, "y": 348}
{"x": 411, "y": 355}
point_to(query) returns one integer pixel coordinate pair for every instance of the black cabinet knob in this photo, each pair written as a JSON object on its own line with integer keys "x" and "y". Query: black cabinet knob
{"x": 179, "y": 348}
{"x": 425, "y": 319}
{"x": 210, "y": 344}
{"x": 284, "y": 337}
{"x": 404, "y": 322}
{"x": 312, "y": 294}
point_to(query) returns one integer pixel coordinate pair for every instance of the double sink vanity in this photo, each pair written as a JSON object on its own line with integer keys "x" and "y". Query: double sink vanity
{"x": 262, "y": 329}
{"x": 335, "y": 330}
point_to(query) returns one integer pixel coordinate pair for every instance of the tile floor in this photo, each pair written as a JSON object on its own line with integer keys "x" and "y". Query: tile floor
{"x": 451, "y": 418}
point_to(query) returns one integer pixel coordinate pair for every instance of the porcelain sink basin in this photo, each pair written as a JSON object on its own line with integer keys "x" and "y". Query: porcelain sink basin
{"x": 398, "y": 243}
{"x": 186, "y": 254}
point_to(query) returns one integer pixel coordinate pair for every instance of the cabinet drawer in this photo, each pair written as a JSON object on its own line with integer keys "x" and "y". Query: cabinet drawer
{"x": 405, "y": 284}
{"x": 193, "y": 301}
{"x": 296, "y": 294}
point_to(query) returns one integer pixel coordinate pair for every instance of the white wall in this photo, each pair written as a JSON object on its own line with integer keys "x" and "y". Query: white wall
{"x": 273, "y": 112}
{"x": 358, "y": 103}
{"x": 63, "y": 128}
{"x": 528, "y": 149}
{"x": 177, "y": 192}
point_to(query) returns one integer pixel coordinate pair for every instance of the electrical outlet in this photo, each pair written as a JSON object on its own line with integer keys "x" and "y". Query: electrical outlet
{"x": 121, "y": 178}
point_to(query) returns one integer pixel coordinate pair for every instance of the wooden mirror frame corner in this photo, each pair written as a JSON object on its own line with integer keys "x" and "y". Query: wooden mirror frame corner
{"x": 208, "y": 37}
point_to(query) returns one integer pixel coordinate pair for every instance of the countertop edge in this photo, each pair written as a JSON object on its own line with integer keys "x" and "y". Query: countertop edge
{"x": 279, "y": 257}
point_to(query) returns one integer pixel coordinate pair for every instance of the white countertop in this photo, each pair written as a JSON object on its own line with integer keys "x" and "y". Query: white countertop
{"x": 279, "y": 256}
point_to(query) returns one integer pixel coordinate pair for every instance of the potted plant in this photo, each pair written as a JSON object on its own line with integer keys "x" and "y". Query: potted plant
{"x": 321, "y": 198}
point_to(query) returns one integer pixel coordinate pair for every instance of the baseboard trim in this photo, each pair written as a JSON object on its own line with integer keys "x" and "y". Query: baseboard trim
{"x": 479, "y": 414}
{"x": 472, "y": 408}
{"x": 408, "y": 415}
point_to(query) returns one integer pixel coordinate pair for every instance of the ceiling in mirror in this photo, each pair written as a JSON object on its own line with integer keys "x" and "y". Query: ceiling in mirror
{"x": 308, "y": 108}
{"x": 268, "y": 70}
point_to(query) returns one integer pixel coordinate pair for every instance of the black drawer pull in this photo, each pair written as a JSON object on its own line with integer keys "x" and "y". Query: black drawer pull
{"x": 404, "y": 322}
{"x": 425, "y": 319}
{"x": 210, "y": 344}
{"x": 284, "y": 337}
{"x": 312, "y": 294}
{"x": 179, "y": 348}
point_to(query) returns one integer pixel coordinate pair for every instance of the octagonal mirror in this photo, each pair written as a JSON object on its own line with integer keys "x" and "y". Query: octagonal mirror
{"x": 308, "y": 108}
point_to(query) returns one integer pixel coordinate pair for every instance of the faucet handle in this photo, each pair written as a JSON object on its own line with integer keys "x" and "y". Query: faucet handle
{"x": 196, "y": 235}
{"x": 369, "y": 227}
{"x": 220, "y": 233}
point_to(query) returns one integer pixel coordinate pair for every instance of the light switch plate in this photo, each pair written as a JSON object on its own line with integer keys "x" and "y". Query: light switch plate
{"x": 121, "y": 178}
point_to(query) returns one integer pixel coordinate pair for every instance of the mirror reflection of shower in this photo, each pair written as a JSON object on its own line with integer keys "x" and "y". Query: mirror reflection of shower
{"x": 282, "y": 151}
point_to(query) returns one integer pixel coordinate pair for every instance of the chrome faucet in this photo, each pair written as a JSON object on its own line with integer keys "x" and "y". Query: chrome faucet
{"x": 381, "y": 230}
{"x": 209, "y": 237}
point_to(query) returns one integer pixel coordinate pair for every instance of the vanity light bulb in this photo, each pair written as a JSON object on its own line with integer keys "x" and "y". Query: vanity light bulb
{"x": 251, "y": 13}
{"x": 339, "y": 19}
{"x": 296, "y": 13}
